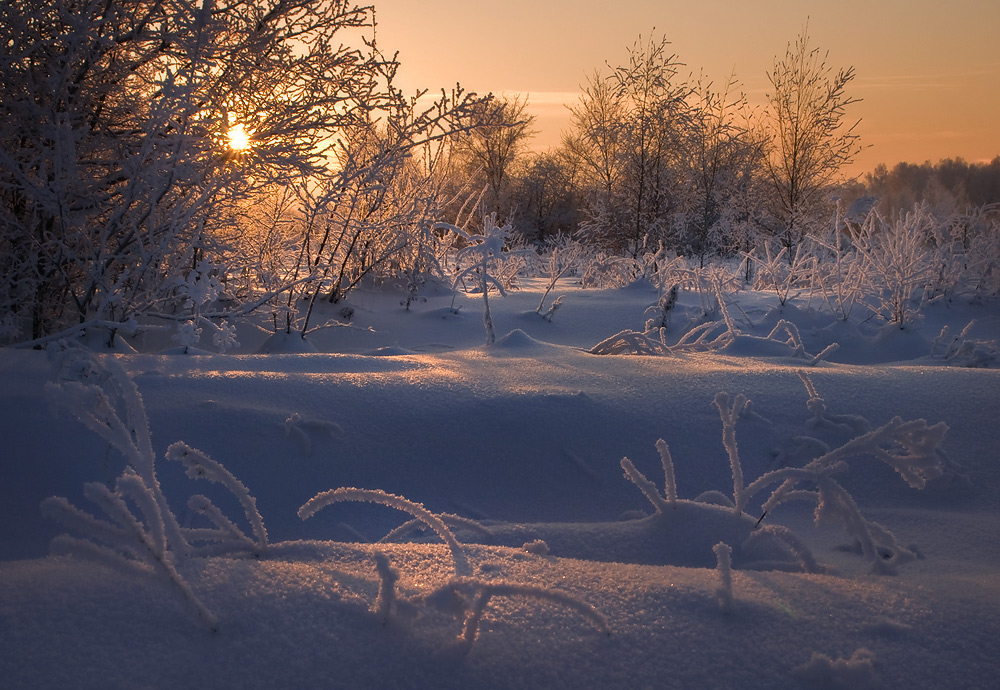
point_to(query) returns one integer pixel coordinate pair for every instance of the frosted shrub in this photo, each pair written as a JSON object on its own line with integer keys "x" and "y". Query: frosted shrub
{"x": 468, "y": 596}
{"x": 911, "y": 448}
{"x": 711, "y": 283}
{"x": 963, "y": 350}
{"x": 984, "y": 260}
{"x": 836, "y": 273}
{"x": 139, "y": 529}
{"x": 564, "y": 255}
{"x": 604, "y": 271}
{"x": 484, "y": 261}
{"x": 966, "y": 255}
{"x": 896, "y": 263}
{"x": 710, "y": 336}
{"x": 783, "y": 274}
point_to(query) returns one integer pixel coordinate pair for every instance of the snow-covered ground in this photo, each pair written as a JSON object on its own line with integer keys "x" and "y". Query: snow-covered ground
{"x": 587, "y": 586}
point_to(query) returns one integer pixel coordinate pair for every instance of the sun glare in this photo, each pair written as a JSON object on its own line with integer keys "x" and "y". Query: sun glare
{"x": 239, "y": 140}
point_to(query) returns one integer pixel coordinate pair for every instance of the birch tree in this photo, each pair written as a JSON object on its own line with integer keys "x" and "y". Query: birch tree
{"x": 811, "y": 139}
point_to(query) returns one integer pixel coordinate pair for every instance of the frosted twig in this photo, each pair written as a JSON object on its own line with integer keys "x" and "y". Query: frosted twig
{"x": 669, "y": 481}
{"x": 326, "y": 498}
{"x": 385, "y": 603}
{"x": 797, "y": 547}
{"x": 486, "y": 590}
{"x": 647, "y": 487}
{"x": 131, "y": 541}
{"x": 729, "y": 414}
{"x": 724, "y": 592}
{"x": 454, "y": 521}
{"x": 226, "y": 535}
{"x": 199, "y": 465}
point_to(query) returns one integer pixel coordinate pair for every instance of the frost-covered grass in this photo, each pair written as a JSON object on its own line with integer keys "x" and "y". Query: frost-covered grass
{"x": 526, "y": 438}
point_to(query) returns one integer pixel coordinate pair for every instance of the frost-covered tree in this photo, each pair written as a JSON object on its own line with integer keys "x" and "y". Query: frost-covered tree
{"x": 118, "y": 175}
{"x": 628, "y": 133}
{"x": 722, "y": 158}
{"x": 117, "y": 169}
{"x": 658, "y": 113}
{"x": 810, "y": 139}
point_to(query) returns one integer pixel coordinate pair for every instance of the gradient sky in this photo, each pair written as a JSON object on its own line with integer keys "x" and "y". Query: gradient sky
{"x": 928, "y": 71}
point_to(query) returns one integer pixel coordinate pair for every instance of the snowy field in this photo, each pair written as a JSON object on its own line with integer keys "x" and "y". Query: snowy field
{"x": 563, "y": 573}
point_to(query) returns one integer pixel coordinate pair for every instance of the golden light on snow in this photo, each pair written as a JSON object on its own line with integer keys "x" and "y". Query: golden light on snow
{"x": 239, "y": 139}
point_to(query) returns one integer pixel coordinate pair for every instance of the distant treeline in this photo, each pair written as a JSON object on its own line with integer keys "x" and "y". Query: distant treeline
{"x": 952, "y": 185}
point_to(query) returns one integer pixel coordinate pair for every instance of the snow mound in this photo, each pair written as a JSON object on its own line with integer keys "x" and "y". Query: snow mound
{"x": 518, "y": 340}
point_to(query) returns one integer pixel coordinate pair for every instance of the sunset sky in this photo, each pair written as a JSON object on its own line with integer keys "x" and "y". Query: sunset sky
{"x": 928, "y": 71}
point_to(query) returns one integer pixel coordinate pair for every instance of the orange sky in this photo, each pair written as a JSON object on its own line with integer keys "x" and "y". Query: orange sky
{"x": 928, "y": 71}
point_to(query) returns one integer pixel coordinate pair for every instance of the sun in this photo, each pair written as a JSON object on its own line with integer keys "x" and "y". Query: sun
{"x": 239, "y": 139}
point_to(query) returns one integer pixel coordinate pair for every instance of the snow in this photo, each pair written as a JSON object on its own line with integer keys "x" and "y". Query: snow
{"x": 526, "y": 437}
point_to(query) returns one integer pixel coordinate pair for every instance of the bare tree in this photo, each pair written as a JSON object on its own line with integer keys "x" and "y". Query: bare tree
{"x": 596, "y": 136}
{"x": 658, "y": 114}
{"x": 721, "y": 156}
{"x": 810, "y": 139}
{"x": 627, "y": 137}
{"x": 498, "y": 133}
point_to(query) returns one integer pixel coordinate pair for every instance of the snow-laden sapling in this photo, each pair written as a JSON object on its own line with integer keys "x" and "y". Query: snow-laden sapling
{"x": 481, "y": 260}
